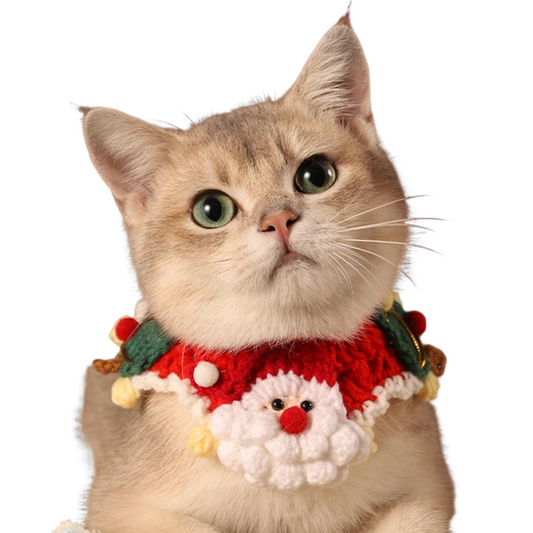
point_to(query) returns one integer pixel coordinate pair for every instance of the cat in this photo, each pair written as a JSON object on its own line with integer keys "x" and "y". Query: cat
{"x": 277, "y": 221}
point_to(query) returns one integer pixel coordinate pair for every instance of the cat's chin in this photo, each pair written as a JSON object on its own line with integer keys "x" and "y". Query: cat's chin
{"x": 283, "y": 314}
{"x": 293, "y": 297}
{"x": 245, "y": 333}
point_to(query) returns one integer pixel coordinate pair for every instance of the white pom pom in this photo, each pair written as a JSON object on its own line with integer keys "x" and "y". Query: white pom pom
{"x": 284, "y": 447}
{"x": 256, "y": 461}
{"x": 345, "y": 443}
{"x": 320, "y": 472}
{"x": 230, "y": 455}
{"x": 313, "y": 446}
{"x": 222, "y": 421}
{"x": 205, "y": 374}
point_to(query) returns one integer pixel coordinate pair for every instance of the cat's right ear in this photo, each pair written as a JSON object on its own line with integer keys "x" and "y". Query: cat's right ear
{"x": 336, "y": 80}
{"x": 126, "y": 152}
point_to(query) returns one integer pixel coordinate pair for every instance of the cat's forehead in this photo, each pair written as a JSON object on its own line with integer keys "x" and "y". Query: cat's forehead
{"x": 261, "y": 139}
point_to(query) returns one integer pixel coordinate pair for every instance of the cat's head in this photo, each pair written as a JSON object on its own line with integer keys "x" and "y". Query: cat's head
{"x": 268, "y": 223}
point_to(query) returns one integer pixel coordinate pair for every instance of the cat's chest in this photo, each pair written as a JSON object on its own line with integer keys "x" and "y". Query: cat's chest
{"x": 217, "y": 496}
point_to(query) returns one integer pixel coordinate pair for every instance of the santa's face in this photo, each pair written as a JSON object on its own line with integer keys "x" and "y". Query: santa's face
{"x": 287, "y": 432}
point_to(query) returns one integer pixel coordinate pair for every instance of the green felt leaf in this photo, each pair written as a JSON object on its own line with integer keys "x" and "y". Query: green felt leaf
{"x": 401, "y": 340}
{"x": 144, "y": 348}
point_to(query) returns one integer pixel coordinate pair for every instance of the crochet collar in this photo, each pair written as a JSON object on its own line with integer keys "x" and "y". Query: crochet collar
{"x": 287, "y": 415}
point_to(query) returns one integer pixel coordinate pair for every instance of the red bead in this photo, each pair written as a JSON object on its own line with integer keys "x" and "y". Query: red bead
{"x": 125, "y": 327}
{"x": 416, "y": 322}
{"x": 293, "y": 420}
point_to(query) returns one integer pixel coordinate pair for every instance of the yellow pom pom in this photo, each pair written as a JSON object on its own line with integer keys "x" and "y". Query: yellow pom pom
{"x": 387, "y": 304}
{"x": 431, "y": 388}
{"x": 202, "y": 443}
{"x": 396, "y": 297}
{"x": 392, "y": 297}
{"x": 124, "y": 394}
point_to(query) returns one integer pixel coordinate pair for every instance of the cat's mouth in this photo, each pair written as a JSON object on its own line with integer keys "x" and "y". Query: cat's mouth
{"x": 290, "y": 258}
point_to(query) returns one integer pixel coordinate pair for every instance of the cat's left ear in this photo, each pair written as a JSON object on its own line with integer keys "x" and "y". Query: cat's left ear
{"x": 127, "y": 153}
{"x": 336, "y": 79}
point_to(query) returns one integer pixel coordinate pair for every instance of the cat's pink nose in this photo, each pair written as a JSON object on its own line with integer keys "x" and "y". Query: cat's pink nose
{"x": 280, "y": 223}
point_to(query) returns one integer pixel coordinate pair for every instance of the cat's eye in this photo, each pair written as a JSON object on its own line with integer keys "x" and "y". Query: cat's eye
{"x": 213, "y": 209}
{"x": 316, "y": 174}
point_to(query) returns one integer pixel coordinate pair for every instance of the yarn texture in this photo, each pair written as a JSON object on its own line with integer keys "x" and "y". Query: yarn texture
{"x": 141, "y": 350}
{"x": 289, "y": 415}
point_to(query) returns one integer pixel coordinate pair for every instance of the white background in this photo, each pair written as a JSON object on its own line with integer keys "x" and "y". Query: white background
{"x": 452, "y": 97}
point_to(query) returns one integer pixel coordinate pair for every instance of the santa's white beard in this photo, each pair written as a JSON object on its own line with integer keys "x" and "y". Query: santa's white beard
{"x": 251, "y": 439}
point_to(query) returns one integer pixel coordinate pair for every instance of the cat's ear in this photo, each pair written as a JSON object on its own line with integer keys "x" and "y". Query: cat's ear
{"x": 126, "y": 152}
{"x": 336, "y": 79}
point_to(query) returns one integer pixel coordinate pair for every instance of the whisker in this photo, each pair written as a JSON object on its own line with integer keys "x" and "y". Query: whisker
{"x": 394, "y": 242}
{"x": 348, "y": 248}
{"x": 398, "y": 222}
{"x": 342, "y": 271}
{"x": 336, "y": 268}
{"x": 370, "y": 252}
{"x": 341, "y": 211}
{"x": 345, "y": 254}
{"x": 355, "y": 268}
{"x": 352, "y": 247}
{"x": 416, "y": 226}
{"x": 380, "y": 207}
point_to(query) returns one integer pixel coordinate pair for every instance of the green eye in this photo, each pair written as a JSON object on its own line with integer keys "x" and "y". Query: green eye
{"x": 315, "y": 175}
{"x": 213, "y": 209}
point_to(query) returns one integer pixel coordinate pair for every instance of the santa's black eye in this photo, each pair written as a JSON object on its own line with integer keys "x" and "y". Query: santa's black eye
{"x": 306, "y": 405}
{"x": 315, "y": 175}
{"x": 277, "y": 404}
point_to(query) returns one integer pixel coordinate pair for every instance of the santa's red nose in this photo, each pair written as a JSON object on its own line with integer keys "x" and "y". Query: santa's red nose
{"x": 293, "y": 420}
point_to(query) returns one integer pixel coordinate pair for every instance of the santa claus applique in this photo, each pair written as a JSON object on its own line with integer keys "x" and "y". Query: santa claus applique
{"x": 289, "y": 415}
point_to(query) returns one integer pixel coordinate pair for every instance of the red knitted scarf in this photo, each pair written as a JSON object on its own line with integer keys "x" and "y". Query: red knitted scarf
{"x": 357, "y": 366}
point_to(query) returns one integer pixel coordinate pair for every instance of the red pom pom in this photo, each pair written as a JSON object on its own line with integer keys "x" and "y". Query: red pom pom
{"x": 416, "y": 322}
{"x": 125, "y": 327}
{"x": 294, "y": 420}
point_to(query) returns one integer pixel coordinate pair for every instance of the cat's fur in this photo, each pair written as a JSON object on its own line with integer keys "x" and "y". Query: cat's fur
{"x": 224, "y": 288}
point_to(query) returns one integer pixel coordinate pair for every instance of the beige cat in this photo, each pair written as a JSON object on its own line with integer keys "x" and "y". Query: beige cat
{"x": 301, "y": 234}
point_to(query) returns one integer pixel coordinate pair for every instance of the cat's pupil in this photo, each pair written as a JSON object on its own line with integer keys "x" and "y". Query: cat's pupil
{"x": 213, "y": 209}
{"x": 315, "y": 174}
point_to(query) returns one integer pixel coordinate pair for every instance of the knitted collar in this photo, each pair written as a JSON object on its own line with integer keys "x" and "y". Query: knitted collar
{"x": 286, "y": 415}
